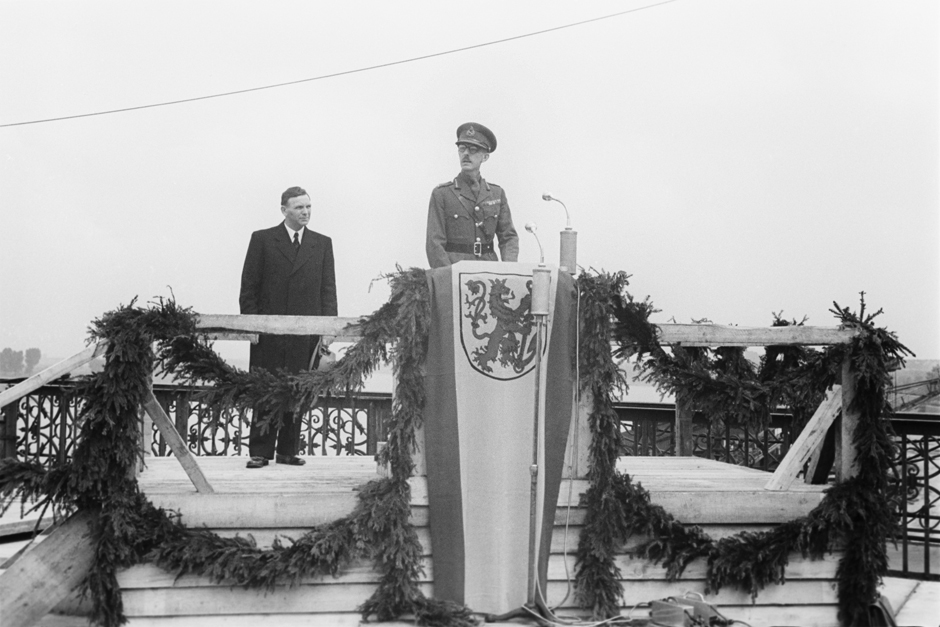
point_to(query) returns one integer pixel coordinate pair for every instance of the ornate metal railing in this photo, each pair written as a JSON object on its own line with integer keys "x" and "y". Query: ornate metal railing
{"x": 648, "y": 429}
{"x": 335, "y": 426}
{"x": 41, "y": 426}
{"x": 917, "y": 471}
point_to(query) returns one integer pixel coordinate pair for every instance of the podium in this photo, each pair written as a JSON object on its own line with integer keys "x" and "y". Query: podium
{"x": 480, "y": 377}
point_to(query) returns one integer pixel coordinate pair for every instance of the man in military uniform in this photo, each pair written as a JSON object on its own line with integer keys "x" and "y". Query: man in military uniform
{"x": 466, "y": 213}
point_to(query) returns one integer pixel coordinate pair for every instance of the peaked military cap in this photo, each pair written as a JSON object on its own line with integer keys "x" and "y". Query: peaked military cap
{"x": 476, "y": 135}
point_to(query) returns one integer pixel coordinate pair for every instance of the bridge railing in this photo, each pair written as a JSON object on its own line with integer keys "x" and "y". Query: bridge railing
{"x": 41, "y": 426}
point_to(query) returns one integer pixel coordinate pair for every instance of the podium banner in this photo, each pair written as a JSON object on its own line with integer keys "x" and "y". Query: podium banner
{"x": 479, "y": 427}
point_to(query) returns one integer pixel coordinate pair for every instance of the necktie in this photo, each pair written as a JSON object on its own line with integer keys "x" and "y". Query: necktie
{"x": 296, "y": 243}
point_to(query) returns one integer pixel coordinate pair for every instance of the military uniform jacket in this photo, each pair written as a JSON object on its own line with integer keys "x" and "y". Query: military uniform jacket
{"x": 458, "y": 216}
{"x": 276, "y": 281}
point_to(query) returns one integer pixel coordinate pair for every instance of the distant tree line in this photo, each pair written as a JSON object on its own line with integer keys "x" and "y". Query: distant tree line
{"x": 17, "y": 364}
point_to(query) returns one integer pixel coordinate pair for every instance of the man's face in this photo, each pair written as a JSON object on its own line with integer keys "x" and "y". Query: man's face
{"x": 471, "y": 157}
{"x": 297, "y": 212}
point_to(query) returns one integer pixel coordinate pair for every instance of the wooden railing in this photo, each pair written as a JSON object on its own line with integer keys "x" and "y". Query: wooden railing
{"x": 718, "y": 336}
{"x": 245, "y": 327}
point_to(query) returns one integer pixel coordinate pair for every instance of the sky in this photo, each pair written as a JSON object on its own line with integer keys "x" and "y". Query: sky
{"x": 736, "y": 158}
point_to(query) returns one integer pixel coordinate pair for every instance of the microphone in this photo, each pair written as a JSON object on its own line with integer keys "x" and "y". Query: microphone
{"x": 547, "y": 197}
{"x": 532, "y": 227}
{"x": 569, "y": 241}
{"x": 541, "y": 279}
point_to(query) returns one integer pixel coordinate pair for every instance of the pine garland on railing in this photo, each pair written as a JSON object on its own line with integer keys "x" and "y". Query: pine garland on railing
{"x": 598, "y": 586}
{"x": 129, "y": 530}
{"x": 854, "y": 514}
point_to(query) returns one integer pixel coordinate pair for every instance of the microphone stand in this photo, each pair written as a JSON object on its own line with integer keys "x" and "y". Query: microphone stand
{"x": 535, "y": 608}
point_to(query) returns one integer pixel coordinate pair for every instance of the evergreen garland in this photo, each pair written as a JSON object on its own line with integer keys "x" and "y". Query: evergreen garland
{"x": 130, "y": 530}
{"x": 597, "y": 575}
{"x": 854, "y": 514}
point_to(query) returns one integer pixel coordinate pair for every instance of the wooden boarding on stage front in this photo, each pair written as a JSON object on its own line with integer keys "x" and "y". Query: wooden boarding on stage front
{"x": 287, "y": 501}
{"x": 222, "y": 495}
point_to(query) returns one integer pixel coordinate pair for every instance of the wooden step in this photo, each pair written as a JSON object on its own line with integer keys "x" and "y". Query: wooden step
{"x": 219, "y": 600}
{"x": 340, "y": 597}
{"x": 287, "y": 501}
{"x": 561, "y": 540}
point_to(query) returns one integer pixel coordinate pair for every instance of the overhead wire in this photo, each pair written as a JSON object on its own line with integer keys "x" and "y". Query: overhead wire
{"x": 334, "y": 74}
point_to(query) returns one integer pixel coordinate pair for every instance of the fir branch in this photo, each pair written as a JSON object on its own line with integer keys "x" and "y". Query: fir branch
{"x": 855, "y": 514}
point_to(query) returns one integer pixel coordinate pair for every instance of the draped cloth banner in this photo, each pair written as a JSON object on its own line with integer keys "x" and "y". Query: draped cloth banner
{"x": 479, "y": 421}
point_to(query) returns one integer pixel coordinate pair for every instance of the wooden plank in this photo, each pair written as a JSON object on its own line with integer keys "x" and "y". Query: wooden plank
{"x": 229, "y": 474}
{"x": 921, "y": 606}
{"x": 17, "y": 527}
{"x": 332, "y": 619}
{"x": 52, "y": 373}
{"x": 719, "y": 335}
{"x": 47, "y": 573}
{"x": 731, "y": 506}
{"x": 783, "y": 615}
{"x": 820, "y": 462}
{"x": 62, "y": 620}
{"x": 343, "y": 329}
{"x": 638, "y": 569}
{"x": 176, "y": 444}
{"x": 220, "y": 511}
{"x": 223, "y": 510}
{"x": 683, "y": 426}
{"x": 233, "y": 336}
{"x": 808, "y": 442}
{"x": 845, "y": 437}
{"x": 804, "y": 616}
{"x": 796, "y": 592}
{"x": 150, "y": 576}
{"x": 264, "y": 537}
{"x": 234, "y": 600}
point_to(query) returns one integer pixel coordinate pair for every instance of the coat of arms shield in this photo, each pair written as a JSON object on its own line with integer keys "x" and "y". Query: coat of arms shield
{"x": 497, "y": 329}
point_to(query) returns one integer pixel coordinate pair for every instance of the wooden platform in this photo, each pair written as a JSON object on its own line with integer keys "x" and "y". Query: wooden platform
{"x": 286, "y": 501}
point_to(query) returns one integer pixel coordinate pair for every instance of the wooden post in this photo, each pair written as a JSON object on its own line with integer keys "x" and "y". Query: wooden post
{"x": 808, "y": 442}
{"x": 146, "y": 435}
{"x": 47, "y": 572}
{"x": 175, "y": 442}
{"x": 8, "y": 416}
{"x": 846, "y": 454}
{"x": 820, "y": 463}
{"x": 683, "y": 428}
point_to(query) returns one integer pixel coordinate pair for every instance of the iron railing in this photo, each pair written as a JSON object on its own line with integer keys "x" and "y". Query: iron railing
{"x": 917, "y": 473}
{"x": 41, "y": 427}
{"x": 648, "y": 429}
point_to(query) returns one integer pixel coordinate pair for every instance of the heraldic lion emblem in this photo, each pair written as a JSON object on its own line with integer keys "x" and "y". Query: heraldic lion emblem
{"x": 498, "y": 329}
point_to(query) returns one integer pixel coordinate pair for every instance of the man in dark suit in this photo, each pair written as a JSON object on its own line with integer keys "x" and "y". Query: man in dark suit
{"x": 288, "y": 271}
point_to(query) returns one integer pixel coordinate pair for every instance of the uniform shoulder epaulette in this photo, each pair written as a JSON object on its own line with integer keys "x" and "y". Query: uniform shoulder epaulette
{"x": 446, "y": 183}
{"x": 492, "y": 184}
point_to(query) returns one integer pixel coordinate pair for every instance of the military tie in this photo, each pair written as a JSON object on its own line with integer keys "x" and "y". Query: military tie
{"x": 296, "y": 243}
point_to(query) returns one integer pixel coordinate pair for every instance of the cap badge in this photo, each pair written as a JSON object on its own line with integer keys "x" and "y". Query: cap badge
{"x": 471, "y": 132}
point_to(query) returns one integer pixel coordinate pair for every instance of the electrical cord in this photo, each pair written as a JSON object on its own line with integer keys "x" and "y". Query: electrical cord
{"x": 335, "y": 74}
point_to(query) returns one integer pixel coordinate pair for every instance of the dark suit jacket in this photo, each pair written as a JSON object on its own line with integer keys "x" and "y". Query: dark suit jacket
{"x": 276, "y": 282}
